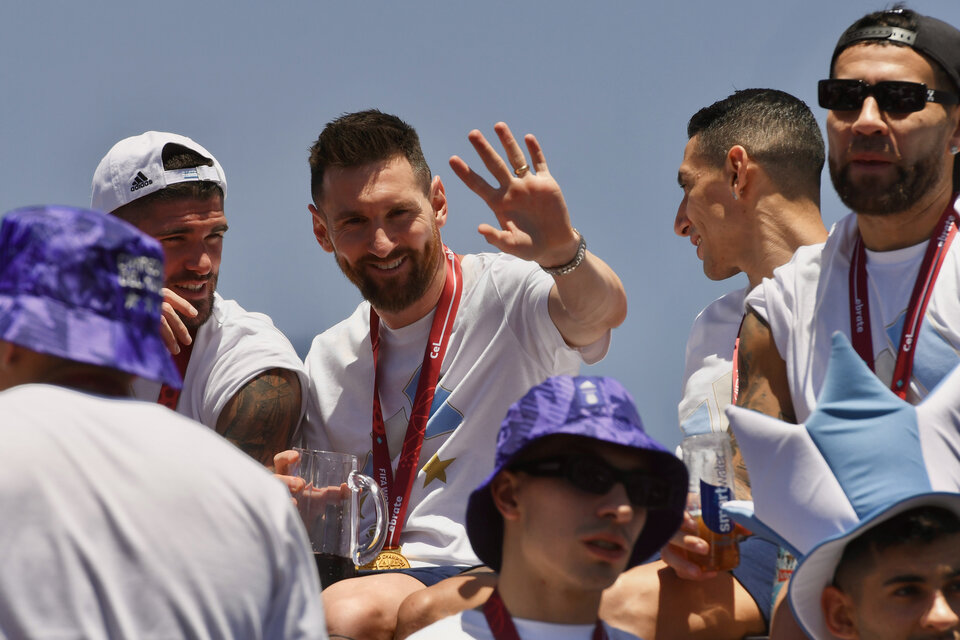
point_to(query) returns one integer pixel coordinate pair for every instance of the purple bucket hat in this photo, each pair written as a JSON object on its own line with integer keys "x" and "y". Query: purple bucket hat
{"x": 83, "y": 285}
{"x": 590, "y": 407}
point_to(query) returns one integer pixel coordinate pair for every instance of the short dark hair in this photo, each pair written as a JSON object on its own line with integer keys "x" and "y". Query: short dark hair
{"x": 174, "y": 156}
{"x": 918, "y": 526}
{"x": 357, "y": 139}
{"x": 903, "y": 18}
{"x": 777, "y": 130}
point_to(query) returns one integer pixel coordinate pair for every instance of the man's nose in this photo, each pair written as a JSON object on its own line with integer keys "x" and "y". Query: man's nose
{"x": 870, "y": 118}
{"x": 616, "y": 505}
{"x": 200, "y": 261}
{"x": 681, "y": 225}
{"x": 941, "y": 616}
{"x": 380, "y": 243}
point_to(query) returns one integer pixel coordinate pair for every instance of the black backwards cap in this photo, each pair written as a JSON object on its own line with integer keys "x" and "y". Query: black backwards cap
{"x": 933, "y": 38}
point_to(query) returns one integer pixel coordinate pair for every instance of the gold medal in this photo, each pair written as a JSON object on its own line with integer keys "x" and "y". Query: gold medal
{"x": 389, "y": 558}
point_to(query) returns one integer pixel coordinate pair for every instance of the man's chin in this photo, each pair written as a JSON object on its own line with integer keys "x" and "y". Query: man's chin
{"x": 392, "y": 294}
{"x": 392, "y": 301}
{"x": 869, "y": 195}
{"x": 204, "y": 311}
{"x": 884, "y": 193}
{"x": 717, "y": 273}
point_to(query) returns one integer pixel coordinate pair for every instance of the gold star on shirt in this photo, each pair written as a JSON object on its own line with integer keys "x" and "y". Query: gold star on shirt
{"x": 436, "y": 469}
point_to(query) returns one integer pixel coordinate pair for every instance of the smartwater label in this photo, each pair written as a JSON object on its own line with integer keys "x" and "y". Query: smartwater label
{"x": 711, "y": 497}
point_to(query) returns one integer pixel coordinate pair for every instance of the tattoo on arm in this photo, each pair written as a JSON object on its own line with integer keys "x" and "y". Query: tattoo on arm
{"x": 263, "y": 416}
{"x": 762, "y": 372}
{"x": 763, "y": 385}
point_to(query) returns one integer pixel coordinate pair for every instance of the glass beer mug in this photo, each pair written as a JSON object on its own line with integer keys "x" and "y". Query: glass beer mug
{"x": 329, "y": 507}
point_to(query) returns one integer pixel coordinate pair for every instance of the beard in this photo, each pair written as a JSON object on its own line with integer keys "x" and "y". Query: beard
{"x": 204, "y": 307}
{"x": 879, "y": 195}
{"x": 396, "y": 294}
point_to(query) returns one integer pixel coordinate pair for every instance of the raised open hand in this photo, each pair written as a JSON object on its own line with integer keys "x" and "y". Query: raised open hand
{"x": 528, "y": 204}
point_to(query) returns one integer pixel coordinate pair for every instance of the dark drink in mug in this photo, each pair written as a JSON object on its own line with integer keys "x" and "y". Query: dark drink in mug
{"x": 333, "y": 568}
{"x": 329, "y": 506}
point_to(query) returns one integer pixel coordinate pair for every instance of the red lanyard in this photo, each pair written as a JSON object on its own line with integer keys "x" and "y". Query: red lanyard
{"x": 169, "y": 397}
{"x": 861, "y": 335}
{"x": 397, "y": 488}
{"x": 501, "y": 624}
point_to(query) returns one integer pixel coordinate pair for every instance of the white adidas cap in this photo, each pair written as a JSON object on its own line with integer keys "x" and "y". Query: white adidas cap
{"x": 133, "y": 168}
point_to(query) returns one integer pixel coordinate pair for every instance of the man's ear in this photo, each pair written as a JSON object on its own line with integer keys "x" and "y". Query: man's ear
{"x": 320, "y": 229}
{"x": 954, "y": 142}
{"x": 955, "y": 137}
{"x": 736, "y": 166}
{"x": 838, "y": 613}
{"x": 438, "y": 201}
{"x": 503, "y": 489}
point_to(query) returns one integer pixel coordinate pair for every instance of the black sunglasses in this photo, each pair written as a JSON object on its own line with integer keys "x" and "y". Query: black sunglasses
{"x": 892, "y": 96}
{"x": 594, "y": 475}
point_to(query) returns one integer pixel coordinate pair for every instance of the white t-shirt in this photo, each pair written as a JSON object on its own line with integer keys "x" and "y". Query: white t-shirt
{"x": 122, "y": 519}
{"x": 503, "y": 343}
{"x": 473, "y": 624}
{"x": 708, "y": 371}
{"x": 808, "y": 300}
{"x": 230, "y": 349}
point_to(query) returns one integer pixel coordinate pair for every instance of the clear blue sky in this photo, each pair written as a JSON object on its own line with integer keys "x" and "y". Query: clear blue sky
{"x": 607, "y": 87}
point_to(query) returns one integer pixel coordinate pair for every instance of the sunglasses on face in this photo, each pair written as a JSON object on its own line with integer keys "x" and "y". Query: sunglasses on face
{"x": 891, "y": 96}
{"x": 594, "y": 475}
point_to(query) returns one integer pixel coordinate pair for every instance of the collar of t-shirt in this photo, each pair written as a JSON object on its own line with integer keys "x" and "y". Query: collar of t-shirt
{"x": 892, "y": 275}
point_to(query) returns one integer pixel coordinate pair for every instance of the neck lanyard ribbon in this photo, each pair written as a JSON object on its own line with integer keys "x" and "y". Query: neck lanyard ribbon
{"x": 862, "y": 338}
{"x": 169, "y": 397}
{"x": 396, "y": 488}
{"x": 501, "y": 623}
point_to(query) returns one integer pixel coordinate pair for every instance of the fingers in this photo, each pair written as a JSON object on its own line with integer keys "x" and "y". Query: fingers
{"x": 284, "y": 461}
{"x": 470, "y": 178}
{"x": 689, "y": 524}
{"x": 168, "y": 337}
{"x": 172, "y": 329}
{"x": 677, "y": 554}
{"x": 684, "y": 542}
{"x": 676, "y": 558}
{"x": 690, "y": 542}
{"x": 536, "y": 154}
{"x": 491, "y": 159}
{"x": 177, "y": 303}
{"x": 321, "y": 495}
{"x": 686, "y": 537}
{"x": 502, "y": 171}
{"x": 509, "y": 239}
{"x": 294, "y": 484}
{"x": 497, "y": 237}
{"x": 490, "y": 234}
{"x": 510, "y": 146}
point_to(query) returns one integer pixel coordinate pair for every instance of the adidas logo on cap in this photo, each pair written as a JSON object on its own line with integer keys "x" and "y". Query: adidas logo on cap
{"x": 140, "y": 181}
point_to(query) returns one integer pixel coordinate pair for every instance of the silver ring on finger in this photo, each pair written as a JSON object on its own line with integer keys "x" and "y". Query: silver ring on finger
{"x": 521, "y": 170}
